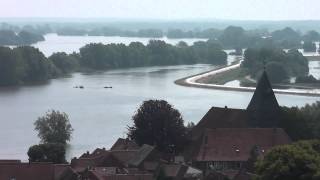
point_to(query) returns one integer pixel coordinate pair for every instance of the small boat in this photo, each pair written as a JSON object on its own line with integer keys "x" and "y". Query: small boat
{"x": 107, "y": 87}
{"x": 81, "y": 87}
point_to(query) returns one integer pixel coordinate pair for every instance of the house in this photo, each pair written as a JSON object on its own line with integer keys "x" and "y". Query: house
{"x": 16, "y": 170}
{"x": 126, "y": 160}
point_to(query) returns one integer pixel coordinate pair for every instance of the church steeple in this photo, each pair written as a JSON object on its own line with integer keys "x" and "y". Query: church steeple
{"x": 263, "y": 107}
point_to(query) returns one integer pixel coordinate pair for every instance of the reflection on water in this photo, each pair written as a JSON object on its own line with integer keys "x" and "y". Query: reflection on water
{"x": 99, "y": 116}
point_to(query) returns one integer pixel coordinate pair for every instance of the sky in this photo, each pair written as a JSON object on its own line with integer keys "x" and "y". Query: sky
{"x": 164, "y": 9}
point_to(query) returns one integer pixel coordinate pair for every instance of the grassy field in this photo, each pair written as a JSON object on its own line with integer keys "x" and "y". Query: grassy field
{"x": 224, "y": 77}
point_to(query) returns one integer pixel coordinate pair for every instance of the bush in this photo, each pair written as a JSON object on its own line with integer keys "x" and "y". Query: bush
{"x": 53, "y": 152}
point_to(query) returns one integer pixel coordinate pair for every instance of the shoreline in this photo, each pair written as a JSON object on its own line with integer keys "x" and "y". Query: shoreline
{"x": 191, "y": 81}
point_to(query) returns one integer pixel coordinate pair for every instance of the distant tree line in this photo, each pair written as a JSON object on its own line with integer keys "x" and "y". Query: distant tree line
{"x": 27, "y": 64}
{"x": 9, "y": 37}
{"x": 156, "y": 53}
{"x": 279, "y": 64}
{"x": 307, "y": 79}
{"x": 231, "y": 37}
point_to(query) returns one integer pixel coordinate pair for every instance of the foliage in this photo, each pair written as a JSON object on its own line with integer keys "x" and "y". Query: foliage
{"x": 157, "y": 123}
{"x": 299, "y": 161}
{"x": 276, "y": 72}
{"x": 233, "y": 37}
{"x": 302, "y": 123}
{"x": 52, "y": 152}
{"x": 156, "y": 53}
{"x": 309, "y": 46}
{"x": 54, "y": 127}
{"x": 9, "y": 37}
{"x": 11, "y": 67}
{"x": 311, "y": 36}
{"x": 36, "y": 66}
{"x": 278, "y": 63}
{"x": 29, "y": 37}
{"x": 286, "y": 38}
{"x": 307, "y": 79}
{"x": 24, "y": 64}
{"x": 64, "y": 62}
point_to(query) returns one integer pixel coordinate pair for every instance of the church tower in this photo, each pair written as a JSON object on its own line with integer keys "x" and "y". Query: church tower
{"x": 263, "y": 109}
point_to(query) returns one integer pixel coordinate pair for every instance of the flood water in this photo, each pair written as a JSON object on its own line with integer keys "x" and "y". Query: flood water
{"x": 99, "y": 116}
{"x": 69, "y": 44}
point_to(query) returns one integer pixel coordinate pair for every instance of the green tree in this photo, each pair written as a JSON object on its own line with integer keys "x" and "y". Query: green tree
{"x": 11, "y": 67}
{"x": 29, "y": 37}
{"x": 233, "y": 36}
{"x": 52, "y": 152}
{"x": 276, "y": 72}
{"x": 37, "y": 66}
{"x": 280, "y": 65}
{"x": 54, "y": 127}
{"x": 299, "y": 161}
{"x": 286, "y": 38}
{"x": 309, "y": 46}
{"x": 302, "y": 123}
{"x": 157, "y": 123}
{"x": 311, "y": 36}
{"x": 64, "y": 62}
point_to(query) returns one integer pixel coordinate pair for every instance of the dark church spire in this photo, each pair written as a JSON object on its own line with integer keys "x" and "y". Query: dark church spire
{"x": 264, "y": 108}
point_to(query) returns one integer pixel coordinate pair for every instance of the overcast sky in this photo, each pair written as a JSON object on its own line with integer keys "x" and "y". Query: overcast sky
{"x": 165, "y": 9}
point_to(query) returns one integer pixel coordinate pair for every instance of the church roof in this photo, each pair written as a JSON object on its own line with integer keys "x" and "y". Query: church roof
{"x": 263, "y": 96}
{"x": 225, "y": 117}
{"x": 235, "y": 144}
{"x": 263, "y": 108}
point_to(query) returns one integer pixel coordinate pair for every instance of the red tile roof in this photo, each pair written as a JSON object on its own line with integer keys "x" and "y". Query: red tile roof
{"x": 235, "y": 144}
{"x": 100, "y": 157}
{"x": 218, "y": 117}
{"x": 30, "y": 171}
{"x": 124, "y": 144}
{"x": 103, "y": 173}
{"x": 174, "y": 170}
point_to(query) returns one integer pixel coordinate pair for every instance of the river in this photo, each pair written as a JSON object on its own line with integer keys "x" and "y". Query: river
{"x": 99, "y": 116}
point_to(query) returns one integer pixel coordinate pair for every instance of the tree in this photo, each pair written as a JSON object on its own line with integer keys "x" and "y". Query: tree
{"x": 233, "y": 36}
{"x": 302, "y": 123}
{"x": 37, "y": 66}
{"x": 311, "y": 36}
{"x": 299, "y": 161}
{"x": 54, "y": 127}
{"x": 157, "y": 123}
{"x": 280, "y": 65}
{"x": 29, "y": 37}
{"x": 11, "y": 67}
{"x": 286, "y": 38}
{"x": 66, "y": 63}
{"x": 53, "y": 152}
{"x": 276, "y": 72}
{"x": 309, "y": 46}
